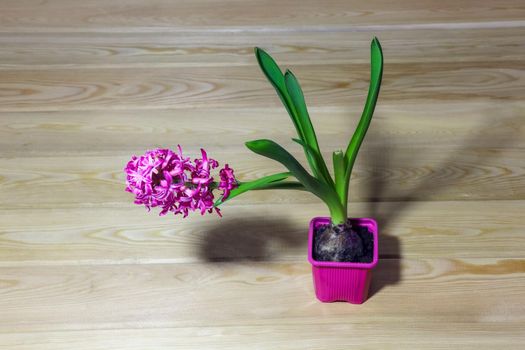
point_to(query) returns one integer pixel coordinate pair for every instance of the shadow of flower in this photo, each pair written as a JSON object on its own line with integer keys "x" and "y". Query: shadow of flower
{"x": 252, "y": 239}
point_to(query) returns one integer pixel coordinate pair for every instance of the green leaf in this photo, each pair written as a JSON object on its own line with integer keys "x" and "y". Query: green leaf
{"x": 311, "y": 153}
{"x": 310, "y": 139}
{"x": 274, "y": 74}
{"x": 254, "y": 185}
{"x": 339, "y": 175}
{"x": 376, "y": 74}
{"x": 303, "y": 118}
{"x": 274, "y": 151}
{"x": 283, "y": 185}
{"x": 316, "y": 166}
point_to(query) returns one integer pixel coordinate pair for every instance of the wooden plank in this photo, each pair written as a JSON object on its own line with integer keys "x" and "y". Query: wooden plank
{"x": 240, "y": 87}
{"x": 138, "y": 50}
{"x": 276, "y": 232}
{"x": 212, "y": 295}
{"x": 458, "y": 126}
{"x": 257, "y": 15}
{"x": 375, "y": 335}
{"x": 412, "y": 174}
{"x": 233, "y": 87}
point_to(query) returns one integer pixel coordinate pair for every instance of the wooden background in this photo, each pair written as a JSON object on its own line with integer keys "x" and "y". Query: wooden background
{"x": 84, "y": 85}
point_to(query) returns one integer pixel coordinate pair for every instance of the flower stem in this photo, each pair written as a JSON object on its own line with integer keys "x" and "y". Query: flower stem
{"x": 338, "y": 215}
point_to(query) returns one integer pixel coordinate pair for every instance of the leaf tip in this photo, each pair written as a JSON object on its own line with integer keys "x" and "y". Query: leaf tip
{"x": 298, "y": 141}
{"x": 289, "y": 74}
{"x": 252, "y": 144}
{"x": 375, "y": 44}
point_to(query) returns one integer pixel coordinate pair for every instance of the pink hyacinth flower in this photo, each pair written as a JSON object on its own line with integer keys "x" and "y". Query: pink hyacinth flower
{"x": 228, "y": 181}
{"x": 173, "y": 182}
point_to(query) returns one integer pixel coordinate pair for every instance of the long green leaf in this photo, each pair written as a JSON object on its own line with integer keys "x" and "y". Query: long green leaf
{"x": 275, "y": 76}
{"x": 274, "y": 151}
{"x": 253, "y": 185}
{"x": 376, "y": 74}
{"x": 310, "y": 151}
{"x": 323, "y": 175}
{"x": 339, "y": 176}
{"x": 310, "y": 139}
{"x": 283, "y": 185}
{"x": 303, "y": 118}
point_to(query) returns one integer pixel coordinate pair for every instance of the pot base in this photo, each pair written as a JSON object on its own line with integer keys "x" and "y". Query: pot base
{"x": 333, "y": 285}
{"x": 342, "y": 281}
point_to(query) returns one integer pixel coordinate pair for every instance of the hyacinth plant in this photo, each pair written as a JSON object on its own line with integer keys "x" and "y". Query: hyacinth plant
{"x": 177, "y": 184}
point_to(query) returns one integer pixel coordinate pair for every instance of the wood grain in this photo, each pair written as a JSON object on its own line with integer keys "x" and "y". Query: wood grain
{"x": 83, "y": 86}
{"x": 472, "y": 174}
{"x": 296, "y": 336}
{"x": 143, "y": 49}
{"x": 261, "y": 15}
{"x": 178, "y": 295}
{"x": 120, "y": 234}
{"x": 236, "y": 87}
{"x": 454, "y": 125}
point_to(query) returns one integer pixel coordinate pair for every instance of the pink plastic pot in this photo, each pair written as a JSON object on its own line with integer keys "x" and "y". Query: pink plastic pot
{"x": 342, "y": 281}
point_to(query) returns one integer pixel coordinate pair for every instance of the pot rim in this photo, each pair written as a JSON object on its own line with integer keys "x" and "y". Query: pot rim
{"x": 368, "y": 222}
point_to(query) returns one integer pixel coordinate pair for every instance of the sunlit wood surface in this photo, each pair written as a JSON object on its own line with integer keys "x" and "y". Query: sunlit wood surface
{"x": 86, "y": 84}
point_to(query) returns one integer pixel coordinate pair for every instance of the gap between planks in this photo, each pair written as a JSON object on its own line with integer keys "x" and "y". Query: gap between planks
{"x": 272, "y": 29}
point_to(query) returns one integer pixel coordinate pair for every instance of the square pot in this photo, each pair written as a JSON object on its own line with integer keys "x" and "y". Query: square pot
{"x": 342, "y": 281}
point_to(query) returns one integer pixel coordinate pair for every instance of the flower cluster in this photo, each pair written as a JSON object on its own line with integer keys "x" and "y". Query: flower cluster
{"x": 163, "y": 178}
